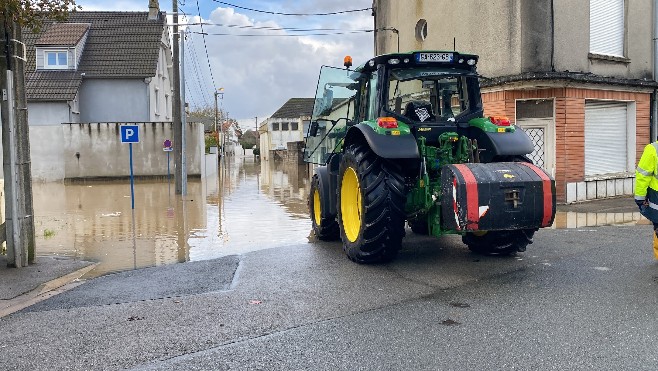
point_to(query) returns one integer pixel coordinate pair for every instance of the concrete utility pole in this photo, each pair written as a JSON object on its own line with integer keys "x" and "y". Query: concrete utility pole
{"x": 183, "y": 141}
{"x": 176, "y": 107}
{"x": 16, "y": 146}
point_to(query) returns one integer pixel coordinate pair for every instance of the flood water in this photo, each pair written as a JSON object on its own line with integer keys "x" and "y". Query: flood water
{"x": 246, "y": 206}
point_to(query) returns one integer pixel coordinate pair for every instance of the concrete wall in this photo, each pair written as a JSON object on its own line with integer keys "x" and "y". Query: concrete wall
{"x": 572, "y": 40}
{"x": 114, "y": 100}
{"x": 47, "y": 153}
{"x": 48, "y": 113}
{"x": 515, "y": 36}
{"x": 95, "y": 150}
{"x": 491, "y": 29}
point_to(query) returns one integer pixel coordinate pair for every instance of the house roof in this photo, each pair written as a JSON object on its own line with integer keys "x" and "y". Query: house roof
{"x": 62, "y": 34}
{"x": 295, "y": 108}
{"x": 118, "y": 45}
{"x": 52, "y": 85}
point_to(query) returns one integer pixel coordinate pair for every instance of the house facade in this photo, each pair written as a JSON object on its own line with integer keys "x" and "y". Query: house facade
{"x": 287, "y": 125}
{"x": 91, "y": 73}
{"x": 577, "y": 76}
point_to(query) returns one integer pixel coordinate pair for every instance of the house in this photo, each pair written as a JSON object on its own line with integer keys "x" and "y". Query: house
{"x": 88, "y": 75}
{"x": 578, "y": 76}
{"x": 287, "y": 125}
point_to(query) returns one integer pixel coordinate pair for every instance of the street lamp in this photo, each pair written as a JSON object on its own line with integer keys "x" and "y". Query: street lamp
{"x": 220, "y": 91}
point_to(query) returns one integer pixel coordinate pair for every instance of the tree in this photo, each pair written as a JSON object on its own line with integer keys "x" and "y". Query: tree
{"x": 32, "y": 13}
{"x": 249, "y": 139}
{"x": 15, "y": 15}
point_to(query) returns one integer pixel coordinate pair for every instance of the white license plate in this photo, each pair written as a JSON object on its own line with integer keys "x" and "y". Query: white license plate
{"x": 435, "y": 57}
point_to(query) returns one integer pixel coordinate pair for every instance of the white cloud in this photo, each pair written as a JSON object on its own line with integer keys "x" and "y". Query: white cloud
{"x": 259, "y": 74}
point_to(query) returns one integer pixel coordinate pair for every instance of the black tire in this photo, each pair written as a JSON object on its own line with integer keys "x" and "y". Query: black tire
{"x": 324, "y": 226}
{"x": 419, "y": 226}
{"x": 371, "y": 212}
{"x": 499, "y": 242}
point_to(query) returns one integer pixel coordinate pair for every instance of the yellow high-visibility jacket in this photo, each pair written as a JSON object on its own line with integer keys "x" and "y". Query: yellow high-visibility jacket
{"x": 646, "y": 174}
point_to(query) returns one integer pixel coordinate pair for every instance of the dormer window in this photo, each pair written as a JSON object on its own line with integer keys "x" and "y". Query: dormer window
{"x": 61, "y": 46}
{"x": 56, "y": 59}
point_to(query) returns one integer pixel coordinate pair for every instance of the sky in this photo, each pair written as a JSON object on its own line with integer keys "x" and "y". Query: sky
{"x": 260, "y": 73}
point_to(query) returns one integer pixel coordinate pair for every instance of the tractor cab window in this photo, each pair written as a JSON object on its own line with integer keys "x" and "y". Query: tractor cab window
{"x": 429, "y": 95}
{"x": 333, "y": 109}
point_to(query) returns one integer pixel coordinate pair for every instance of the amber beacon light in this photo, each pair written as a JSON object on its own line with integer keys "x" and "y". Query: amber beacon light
{"x": 347, "y": 61}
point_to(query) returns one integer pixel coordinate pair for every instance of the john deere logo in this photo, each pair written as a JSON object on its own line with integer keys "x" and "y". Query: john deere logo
{"x": 508, "y": 176}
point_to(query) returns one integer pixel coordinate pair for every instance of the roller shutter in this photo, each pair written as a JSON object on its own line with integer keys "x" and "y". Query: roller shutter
{"x": 606, "y": 135}
{"x": 606, "y": 27}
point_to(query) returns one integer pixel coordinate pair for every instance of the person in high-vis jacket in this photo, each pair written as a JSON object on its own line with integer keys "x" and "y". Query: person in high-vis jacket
{"x": 646, "y": 188}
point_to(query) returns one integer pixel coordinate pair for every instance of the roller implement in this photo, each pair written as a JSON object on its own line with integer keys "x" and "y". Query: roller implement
{"x": 403, "y": 139}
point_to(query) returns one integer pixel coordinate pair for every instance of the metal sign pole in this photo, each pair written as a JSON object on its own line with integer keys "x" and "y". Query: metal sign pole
{"x": 132, "y": 177}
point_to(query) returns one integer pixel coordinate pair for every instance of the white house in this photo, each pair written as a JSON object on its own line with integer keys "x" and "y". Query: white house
{"x": 288, "y": 124}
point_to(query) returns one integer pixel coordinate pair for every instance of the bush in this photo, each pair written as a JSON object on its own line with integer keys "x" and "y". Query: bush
{"x": 256, "y": 151}
{"x": 211, "y": 141}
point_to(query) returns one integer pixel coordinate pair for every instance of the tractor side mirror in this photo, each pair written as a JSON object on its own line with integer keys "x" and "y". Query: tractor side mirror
{"x": 313, "y": 130}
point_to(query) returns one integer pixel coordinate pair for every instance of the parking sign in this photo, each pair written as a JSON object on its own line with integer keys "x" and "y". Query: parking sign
{"x": 129, "y": 133}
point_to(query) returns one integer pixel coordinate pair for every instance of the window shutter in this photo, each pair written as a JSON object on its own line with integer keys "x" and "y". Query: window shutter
{"x": 606, "y": 26}
{"x": 605, "y": 138}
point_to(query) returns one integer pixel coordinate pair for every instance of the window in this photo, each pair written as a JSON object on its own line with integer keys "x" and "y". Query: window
{"x": 56, "y": 59}
{"x": 421, "y": 30}
{"x": 284, "y": 126}
{"x": 294, "y": 126}
{"x": 275, "y": 126}
{"x": 606, "y": 27}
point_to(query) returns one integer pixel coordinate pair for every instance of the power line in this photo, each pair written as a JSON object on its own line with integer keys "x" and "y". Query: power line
{"x": 205, "y": 47}
{"x": 291, "y": 29}
{"x": 293, "y": 14}
{"x": 284, "y": 35}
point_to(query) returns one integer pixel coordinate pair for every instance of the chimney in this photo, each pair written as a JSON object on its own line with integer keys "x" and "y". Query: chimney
{"x": 154, "y": 10}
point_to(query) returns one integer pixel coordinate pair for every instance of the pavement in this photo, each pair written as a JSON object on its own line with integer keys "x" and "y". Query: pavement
{"x": 51, "y": 275}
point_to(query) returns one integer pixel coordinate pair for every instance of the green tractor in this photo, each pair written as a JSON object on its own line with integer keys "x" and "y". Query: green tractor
{"x": 402, "y": 139}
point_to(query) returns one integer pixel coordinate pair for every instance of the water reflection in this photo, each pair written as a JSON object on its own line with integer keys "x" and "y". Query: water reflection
{"x": 247, "y": 206}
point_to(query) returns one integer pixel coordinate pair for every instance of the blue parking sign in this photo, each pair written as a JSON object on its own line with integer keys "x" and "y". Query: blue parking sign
{"x": 129, "y": 133}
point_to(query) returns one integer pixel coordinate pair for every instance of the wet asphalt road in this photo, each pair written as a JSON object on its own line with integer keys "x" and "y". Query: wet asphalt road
{"x": 577, "y": 299}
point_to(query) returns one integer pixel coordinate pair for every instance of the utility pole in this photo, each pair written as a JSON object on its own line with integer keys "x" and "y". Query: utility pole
{"x": 183, "y": 142}
{"x": 176, "y": 107}
{"x": 16, "y": 146}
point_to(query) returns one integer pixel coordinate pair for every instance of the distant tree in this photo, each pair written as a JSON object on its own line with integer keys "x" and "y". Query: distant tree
{"x": 249, "y": 139}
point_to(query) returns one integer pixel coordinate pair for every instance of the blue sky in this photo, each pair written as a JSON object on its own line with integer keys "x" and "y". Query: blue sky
{"x": 259, "y": 74}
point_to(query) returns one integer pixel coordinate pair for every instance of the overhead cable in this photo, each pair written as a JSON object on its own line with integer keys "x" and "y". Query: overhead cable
{"x": 293, "y": 14}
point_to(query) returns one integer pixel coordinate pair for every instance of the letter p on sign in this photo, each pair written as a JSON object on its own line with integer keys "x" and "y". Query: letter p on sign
{"x": 129, "y": 133}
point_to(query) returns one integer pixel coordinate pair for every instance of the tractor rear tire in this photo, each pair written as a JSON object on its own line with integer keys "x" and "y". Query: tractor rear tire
{"x": 371, "y": 199}
{"x": 325, "y": 227}
{"x": 499, "y": 242}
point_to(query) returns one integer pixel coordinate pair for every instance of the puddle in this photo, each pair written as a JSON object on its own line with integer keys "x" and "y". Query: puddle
{"x": 246, "y": 207}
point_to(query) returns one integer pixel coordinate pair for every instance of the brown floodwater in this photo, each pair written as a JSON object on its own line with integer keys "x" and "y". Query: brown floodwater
{"x": 246, "y": 206}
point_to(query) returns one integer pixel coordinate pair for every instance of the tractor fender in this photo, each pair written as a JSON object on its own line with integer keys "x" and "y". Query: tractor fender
{"x": 327, "y": 183}
{"x": 506, "y": 144}
{"x": 385, "y": 146}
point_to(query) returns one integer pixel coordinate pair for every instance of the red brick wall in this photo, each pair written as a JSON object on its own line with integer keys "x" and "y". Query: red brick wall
{"x": 570, "y": 124}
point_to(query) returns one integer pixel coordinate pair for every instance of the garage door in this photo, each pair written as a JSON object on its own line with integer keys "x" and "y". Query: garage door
{"x": 606, "y": 135}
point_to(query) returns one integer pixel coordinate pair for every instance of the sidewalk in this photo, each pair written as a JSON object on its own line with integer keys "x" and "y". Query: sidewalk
{"x": 22, "y": 287}
{"x": 50, "y": 275}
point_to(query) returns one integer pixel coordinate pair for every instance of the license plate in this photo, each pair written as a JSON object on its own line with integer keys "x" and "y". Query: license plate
{"x": 434, "y": 57}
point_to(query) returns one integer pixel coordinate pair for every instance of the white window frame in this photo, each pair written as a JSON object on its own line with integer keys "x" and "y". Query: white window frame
{"x": 607, "y": 27}
{"x": 57, "y": 66}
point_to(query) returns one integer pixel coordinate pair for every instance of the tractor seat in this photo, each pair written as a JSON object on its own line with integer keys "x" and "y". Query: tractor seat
{"x": 419, "y": 111}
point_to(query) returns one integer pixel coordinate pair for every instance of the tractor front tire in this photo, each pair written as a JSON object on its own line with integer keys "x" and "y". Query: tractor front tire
{"x": 498, "y": 242}
{"x": 371, "y": 199}
{"x": 325, "y": 227}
